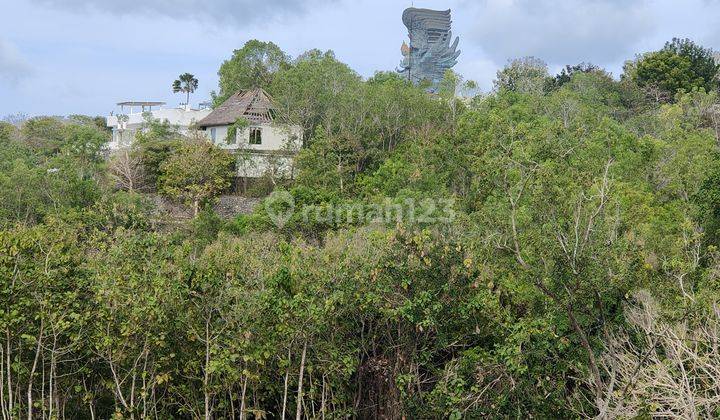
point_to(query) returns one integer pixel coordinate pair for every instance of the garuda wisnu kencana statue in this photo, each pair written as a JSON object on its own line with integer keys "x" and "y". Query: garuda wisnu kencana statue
{"x": 430, "y": 53}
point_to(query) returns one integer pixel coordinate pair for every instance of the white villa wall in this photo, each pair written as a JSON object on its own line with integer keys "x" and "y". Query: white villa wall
{"x": 275, "y": 153}
{"x": 124, "y": 134}
{"x": 275, "y": 137}
{"x": 220, "y": 134}
{"x": 255, "y": 165}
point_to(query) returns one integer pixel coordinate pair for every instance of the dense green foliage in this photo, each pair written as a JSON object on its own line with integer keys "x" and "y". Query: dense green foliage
{"x": 196, "y": 172}
{"x": 525, "y": 75}
{"x": 253, "y": 65}
{"x": 574, "y": 271}
{"x": 681, "y": 65}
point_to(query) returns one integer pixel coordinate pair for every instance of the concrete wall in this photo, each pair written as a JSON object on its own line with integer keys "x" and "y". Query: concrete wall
{"x": 220, "y": 134}
{"x": 256, "y": 165}
{"x": 274, "y": 137}
{"x": 124, "y": 132}
{"x": 227, "y": 206}
{"x": 274, "y": 155}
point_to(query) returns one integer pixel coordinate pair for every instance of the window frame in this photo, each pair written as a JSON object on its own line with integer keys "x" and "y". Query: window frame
{"x": 255, "y": 136}
{"x": 231, "y": 140}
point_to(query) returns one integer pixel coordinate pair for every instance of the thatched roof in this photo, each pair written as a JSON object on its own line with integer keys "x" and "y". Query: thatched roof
{"x": 254, "y": 105}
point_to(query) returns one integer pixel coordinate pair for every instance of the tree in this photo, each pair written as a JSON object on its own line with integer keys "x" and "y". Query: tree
{"x": 351, "y": 126}
{"x": 254, "y": 65}
{"x": 703, "y": 60}
{"x": 226, "y": 319}
{"x": 8, "y": 132}
{"x": 572, "y": 269}
{"x": 85, "y": 142}
{"x": 186, "y": 83}
{"x": 451, "y": 86}
{"x": 523, "y": 75}
{"x": 44, "y": 134}
{"x": 679, "y": 65}
{"x": 153, "y": 145}
{"x": 552, "y": 197}
{"x": 133, "y": 318}
{"x": 655, "y": 365}
{"x": 196, "y": 173}
{"x": 127, "y": 172}
{"x": 12, "y": 147}
{"x": 308, "y": 92}
{"x": 97, "y": 121}
{"x": 567, "y": 73}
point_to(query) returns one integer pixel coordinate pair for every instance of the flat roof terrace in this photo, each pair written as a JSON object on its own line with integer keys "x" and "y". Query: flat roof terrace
{"x": 140, "y": 103}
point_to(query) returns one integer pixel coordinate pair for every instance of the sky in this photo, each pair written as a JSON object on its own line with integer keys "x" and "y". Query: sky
{"x": 61, "y": 57}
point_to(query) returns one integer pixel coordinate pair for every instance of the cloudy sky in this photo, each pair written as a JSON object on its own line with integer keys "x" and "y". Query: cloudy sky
{"x": 81, "y": 56}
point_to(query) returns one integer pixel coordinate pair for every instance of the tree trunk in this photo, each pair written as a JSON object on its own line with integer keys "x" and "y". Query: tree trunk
{"x": 206, "y": 375}
{"x": 131, "y": 183}
{"x": 322, "y": 399}
{"x": 585, "y": 343}
{"x": 51, "y": 388}
{"x": 339, "y": 170}
{"x": 9, "y": 373}
{"x": 91, "y": 407}
{"x": 3, "y": 405}
{"x": 242, "y": 401}
{"x": 285, "y": 389}
{"x": 32, "y": 372}
{"x": 298, "y": 410}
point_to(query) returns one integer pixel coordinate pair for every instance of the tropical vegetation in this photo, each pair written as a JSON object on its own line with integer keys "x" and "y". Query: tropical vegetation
{"x": 576, "y": 273}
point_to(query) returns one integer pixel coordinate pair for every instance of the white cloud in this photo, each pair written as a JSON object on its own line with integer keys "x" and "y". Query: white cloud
{"x": 209, "y": 11}
{"x": 13, "y": 67}
{"x": 560, "y": 32}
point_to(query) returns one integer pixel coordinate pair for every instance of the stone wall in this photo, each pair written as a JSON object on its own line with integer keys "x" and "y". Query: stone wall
{"x": 227, "y": 207}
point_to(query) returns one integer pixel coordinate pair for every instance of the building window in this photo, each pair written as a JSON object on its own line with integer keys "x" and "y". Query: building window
{"x": 231, "y": 137}
{"x": 213, "y": 134}
{"x": 255, "y": 136}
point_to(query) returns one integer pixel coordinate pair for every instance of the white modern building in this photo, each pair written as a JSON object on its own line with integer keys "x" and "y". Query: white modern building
{"x": 132, "y": 117}
{"x": 263, "y": 145}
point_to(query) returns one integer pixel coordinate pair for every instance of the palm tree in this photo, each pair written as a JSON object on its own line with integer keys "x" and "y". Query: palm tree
{"x": 185, "y": 83}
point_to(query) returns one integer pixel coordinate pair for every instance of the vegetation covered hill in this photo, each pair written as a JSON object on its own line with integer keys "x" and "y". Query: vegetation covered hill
{"x": 547, "y": 250}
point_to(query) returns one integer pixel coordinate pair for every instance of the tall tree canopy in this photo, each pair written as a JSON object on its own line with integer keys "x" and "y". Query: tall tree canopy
{"x": 195, "y": 173}
{"x": 253, "y": 65}
{"x": 310, "y": 89}
{"x": 680, "y": 65}
{"x": 524, "y": 75}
